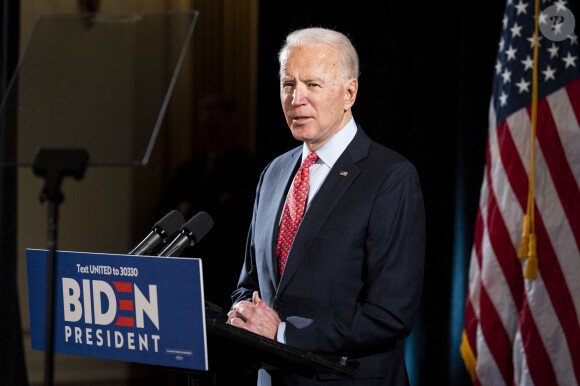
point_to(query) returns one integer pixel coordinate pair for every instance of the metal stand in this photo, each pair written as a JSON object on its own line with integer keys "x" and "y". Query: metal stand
{"x": 53, "y": 165}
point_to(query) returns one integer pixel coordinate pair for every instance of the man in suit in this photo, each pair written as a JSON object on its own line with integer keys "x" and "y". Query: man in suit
{"x": 348, "y": 281}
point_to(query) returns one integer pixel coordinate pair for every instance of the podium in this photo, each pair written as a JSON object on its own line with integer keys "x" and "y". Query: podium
{"x": 152, "y": 310}
{"x": 261, "y": 352}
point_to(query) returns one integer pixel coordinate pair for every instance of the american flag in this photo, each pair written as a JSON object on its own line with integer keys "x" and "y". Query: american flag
{"x": 518, "y": 330}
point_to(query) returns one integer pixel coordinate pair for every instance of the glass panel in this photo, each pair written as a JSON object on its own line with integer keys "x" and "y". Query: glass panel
{"x": 99, "y": 82}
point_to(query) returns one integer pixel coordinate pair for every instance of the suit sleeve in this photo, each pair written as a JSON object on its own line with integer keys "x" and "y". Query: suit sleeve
{"x": 248, "y": 281}
{"x": 385, "y": 309}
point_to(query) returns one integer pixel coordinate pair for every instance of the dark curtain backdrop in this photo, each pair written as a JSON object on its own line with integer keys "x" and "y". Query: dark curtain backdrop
{"x": 424, "y": 89}
{"x": 12, "y": 366}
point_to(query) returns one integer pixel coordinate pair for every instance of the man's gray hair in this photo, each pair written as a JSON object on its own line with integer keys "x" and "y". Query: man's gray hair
{"x": 346, "y": 51}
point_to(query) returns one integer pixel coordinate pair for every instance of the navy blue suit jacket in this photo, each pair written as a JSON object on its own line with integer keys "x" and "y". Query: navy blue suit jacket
{"x": 353, "y": 278}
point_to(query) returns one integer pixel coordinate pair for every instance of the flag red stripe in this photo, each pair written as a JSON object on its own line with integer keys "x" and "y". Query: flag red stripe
{"x": 562, "y": 175}
{"x": 496, "y": 337}
{"x": 478, "y": 236}
{"x": 554, "y": 282}
{"x": 503, "y": 248}
{"x": 513, "y": 166}
{"x": 573, "y": 90}
{"x": 511, "y": 267}
{"x": 471, "y": 326}
{"x": 507, "y": 257}
{"x": 539, "y": 363}
{"x": 558, "y": 291}
{"x": 471, "y": 321}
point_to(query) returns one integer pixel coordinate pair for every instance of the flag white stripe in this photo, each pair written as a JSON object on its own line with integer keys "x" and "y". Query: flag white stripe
{"x": 487, "y": 371}
{"x": 526, "y": 377}
{"x": 474, "y": 271}
{"x": 519, "y": 125}
{"x": 497, "y": 287}
{"x": 542, "y": 311}
{"x": 518, "y": 357}
{"x": 552, "y": 213}
{"x": 474, "y": 284}
{"x": 493, "y": 280}
{"x": 560, "y": 234}
{"x": 507, "y": 201}
{"x": 550, "y": 330}
{"x": 568, "y": 129}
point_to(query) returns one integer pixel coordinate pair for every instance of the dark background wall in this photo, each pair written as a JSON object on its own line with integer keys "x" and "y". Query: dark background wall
{"x": 12, "y": 365}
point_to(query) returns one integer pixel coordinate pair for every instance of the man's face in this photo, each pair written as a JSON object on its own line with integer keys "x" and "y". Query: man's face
{"x": 315, "y": 100}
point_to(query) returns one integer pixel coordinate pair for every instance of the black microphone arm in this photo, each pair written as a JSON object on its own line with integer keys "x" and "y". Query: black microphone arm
{"x": 163, "y": 231}
{"x": 191, "y": 232}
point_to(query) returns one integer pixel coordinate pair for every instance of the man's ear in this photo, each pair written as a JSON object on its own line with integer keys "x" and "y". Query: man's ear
{"x": 350, "y": 91}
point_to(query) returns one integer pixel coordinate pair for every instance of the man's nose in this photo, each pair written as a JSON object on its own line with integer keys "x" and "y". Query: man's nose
{"x": 298, "y": 96}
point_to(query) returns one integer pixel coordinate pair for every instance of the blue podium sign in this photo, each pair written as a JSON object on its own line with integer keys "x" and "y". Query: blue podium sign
{"x": 122, "y": 307}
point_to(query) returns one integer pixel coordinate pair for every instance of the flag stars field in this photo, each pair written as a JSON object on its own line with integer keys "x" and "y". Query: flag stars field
{"x": 570, "y": 60}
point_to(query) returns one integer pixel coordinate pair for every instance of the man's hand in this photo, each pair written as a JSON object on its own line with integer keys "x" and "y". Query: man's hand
{"x": 256, "y": 317}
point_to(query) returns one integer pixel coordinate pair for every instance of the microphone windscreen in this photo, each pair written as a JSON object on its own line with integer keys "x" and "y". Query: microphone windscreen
{"x": 170, "y": 224}
{"x": 198, "y": 226}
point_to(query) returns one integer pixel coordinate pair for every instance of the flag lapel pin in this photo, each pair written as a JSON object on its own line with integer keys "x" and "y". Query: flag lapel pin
{"x": 344, "y": 174}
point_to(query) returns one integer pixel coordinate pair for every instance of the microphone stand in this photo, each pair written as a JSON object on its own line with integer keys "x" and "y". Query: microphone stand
{"x": 54, "y": 165}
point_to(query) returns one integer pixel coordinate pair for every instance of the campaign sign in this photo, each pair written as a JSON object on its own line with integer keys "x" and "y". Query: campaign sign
{"x": 122, "y": 307}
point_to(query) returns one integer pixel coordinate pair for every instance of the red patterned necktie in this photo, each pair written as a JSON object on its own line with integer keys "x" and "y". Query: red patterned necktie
{"x": 293, "y": 211}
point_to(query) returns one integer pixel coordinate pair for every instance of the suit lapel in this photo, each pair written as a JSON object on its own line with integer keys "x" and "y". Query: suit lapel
{"x": 340, "y": 178}
{"x": 276, "y": 200}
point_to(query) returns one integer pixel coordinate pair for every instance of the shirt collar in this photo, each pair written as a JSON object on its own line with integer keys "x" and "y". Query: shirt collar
{"x": 331, "y": 150}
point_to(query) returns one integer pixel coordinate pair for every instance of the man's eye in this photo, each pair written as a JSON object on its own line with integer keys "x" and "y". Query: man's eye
{"x": 314, "y": 85}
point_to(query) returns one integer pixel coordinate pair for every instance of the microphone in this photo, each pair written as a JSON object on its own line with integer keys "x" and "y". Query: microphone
{"x": 163, "y": 230}
{"x": 191, "y": 232}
